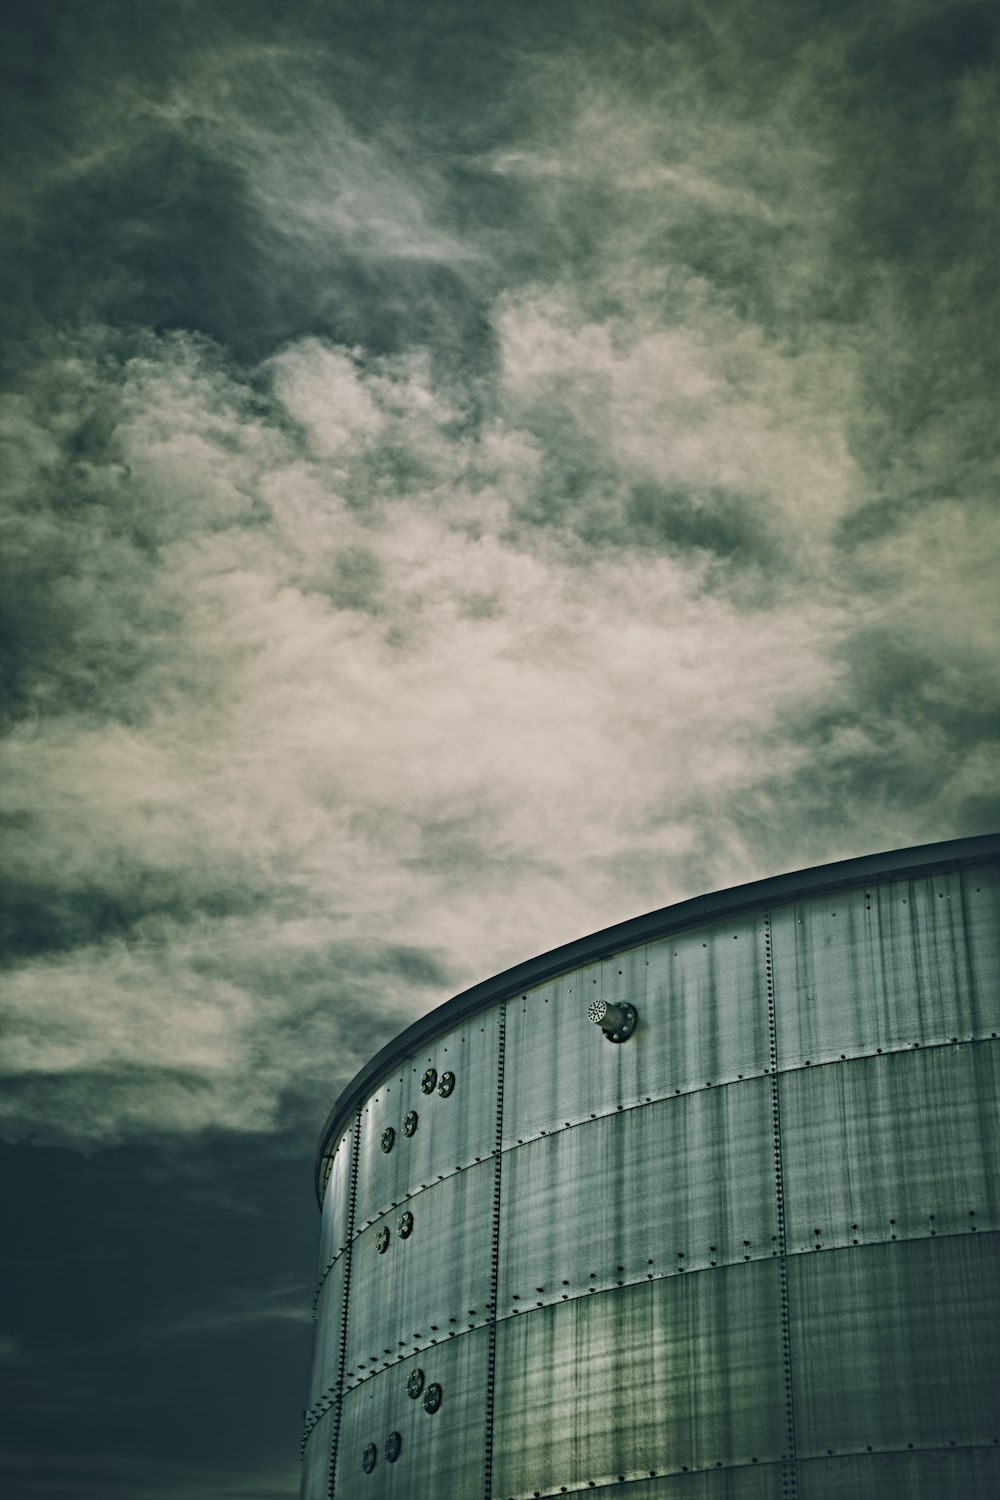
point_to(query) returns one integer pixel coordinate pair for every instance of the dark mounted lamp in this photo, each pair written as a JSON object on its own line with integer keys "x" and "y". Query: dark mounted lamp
{"x": 616, "y": 1021}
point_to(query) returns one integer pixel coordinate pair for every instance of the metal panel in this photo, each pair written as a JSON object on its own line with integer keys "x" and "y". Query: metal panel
{"x": 939, "y": 1474}
{"x": 684, "y": 1371}
{"x": 980, "y": 937}
{"x": 450, "y": 1132}
{"x": 336, "y": 1201}
{"x": 671, "y": 1186}
{"x": 326, "y": 1339}
{"x": 906, "y": 1144}
{"x": 883, "y": 967}
{"x": 441, "y": 1453}
{"x": 702, "y": 1002}
{"x": 896, "y": 1344}
{"x": 315, "y": 1483}
{"x": 425, "y": 1287}
{"x": 759, "y": 1482}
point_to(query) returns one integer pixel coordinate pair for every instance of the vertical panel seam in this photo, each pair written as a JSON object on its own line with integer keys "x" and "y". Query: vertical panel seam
{"x": 789, "y": 1467}
{"x": 338, "y": 1389}
{"x": 494, "y": 1263}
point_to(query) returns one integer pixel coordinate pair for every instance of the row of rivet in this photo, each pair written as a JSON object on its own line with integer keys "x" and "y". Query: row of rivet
{"x": 660, "y": 1098}
{"x": 813, "y": 1459}
{"x": 789, "y": 1467}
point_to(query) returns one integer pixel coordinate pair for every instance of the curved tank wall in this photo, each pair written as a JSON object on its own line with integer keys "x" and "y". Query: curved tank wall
{"x": 749, "y": 1252}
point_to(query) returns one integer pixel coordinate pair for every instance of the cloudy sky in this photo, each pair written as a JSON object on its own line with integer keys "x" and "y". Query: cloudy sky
{"x": 476, "y": 470}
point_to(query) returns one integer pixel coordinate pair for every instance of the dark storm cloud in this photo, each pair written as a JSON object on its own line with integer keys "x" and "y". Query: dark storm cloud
{"x": 384, "y": 383}
{"x": 473, "y": 472}
{"x": 431, "y": 433}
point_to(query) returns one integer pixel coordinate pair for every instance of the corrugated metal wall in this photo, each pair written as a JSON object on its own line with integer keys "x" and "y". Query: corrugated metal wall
{"x": 750, "y": 1252}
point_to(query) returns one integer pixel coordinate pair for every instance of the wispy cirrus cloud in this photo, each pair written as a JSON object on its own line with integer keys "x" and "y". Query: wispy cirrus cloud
{"x": 234, "y": 1313}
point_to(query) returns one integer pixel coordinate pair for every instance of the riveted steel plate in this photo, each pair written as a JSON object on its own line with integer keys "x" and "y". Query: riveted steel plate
{"x": 326, "y": 1334}
{"x": 759, "y": 1482}
{"x": 673, "y": 1185}
{"x": 702, "y": 1003}
{"x": 981, "y": 933}
{"x": 934, "y": 1474}
{"x": 885, "y": 967}
{"x": 893, "y": 1344}
{"x": 683, "y": 1371}
{"x": 906, "y": 1144}
{"x": 336, "y": 1199}
{"x": 441, "y": 1456}
{"x": 434, "y": 1283}
{"x": 452, "y": 1132}
{"x": 315, "y": 1484}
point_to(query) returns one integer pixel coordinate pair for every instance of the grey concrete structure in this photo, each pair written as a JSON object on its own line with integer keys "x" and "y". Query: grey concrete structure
{"x": 749, "y": 1251}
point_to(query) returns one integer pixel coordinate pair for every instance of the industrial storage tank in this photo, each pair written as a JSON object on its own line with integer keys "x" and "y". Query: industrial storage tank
{"x": 704, "y": 1205}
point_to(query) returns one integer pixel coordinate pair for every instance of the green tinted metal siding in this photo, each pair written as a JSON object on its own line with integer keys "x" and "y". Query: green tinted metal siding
{"x": 752, "y": 1251}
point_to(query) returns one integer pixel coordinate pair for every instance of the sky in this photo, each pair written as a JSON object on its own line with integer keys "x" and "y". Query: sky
{"x": 475, "y": 471}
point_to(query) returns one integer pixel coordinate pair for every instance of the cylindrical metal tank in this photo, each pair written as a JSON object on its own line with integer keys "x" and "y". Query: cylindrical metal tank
{"x": 747, "y": 1250}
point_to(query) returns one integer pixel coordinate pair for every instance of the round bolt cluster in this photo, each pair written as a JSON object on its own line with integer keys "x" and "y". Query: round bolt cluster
{"x": 445, "y": 1084}
{"x": 414, "y": 1384}
{"x": 432, "y": 1398}
{"x": 393, "y": 1443}
{"x": 388, "y": 1138}
{"x": 404, "y": 1226}
{"x": 410, "y": 1122}
{"x": 382, "y": 1240}
{"x": 369, "y": 1457}
{"x": 429, "y": 1081}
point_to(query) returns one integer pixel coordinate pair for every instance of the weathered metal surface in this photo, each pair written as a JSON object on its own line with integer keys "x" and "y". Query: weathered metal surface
{"x": 453, "y": 1129}
{"x": 333, "y": 1224}
{"x": 759, "y": 1482}
{"x": 884, "y": 966}
{"x": 433, "y": 1284}
{"x": 901, "y": 1145}
{"x": 703, "y": 1006}
{"x": 896, "y": 1344}
{"x": 441, "y": 1453}
{"x": 930, "y": 1474}
{"x": 613, "y": 1367}
{"x": 672, "y": 1186}
{"x": 326, "y": 1334}
{"x": 685, "y": 1371}
{"x": 971, "y": 854}
{"x": 316, "y": 1460}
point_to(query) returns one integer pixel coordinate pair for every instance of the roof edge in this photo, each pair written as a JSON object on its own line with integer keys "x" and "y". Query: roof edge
{"x": 977, "y": 849}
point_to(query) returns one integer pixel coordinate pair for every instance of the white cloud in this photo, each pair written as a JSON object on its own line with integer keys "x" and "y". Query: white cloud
{"x": 340, "y": 703}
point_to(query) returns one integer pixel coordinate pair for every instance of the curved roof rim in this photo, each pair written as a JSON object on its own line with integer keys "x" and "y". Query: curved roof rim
{"x": 978, "y": 849}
